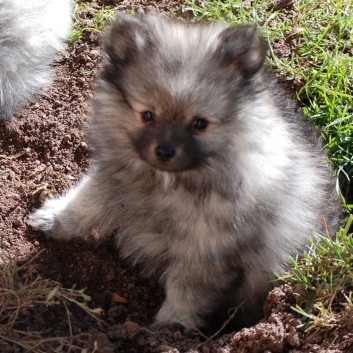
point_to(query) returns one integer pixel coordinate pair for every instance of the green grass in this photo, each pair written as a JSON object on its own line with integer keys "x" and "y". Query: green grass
{"x": 319, "y": 61}
{"x": 86, "y": 20}
{"x": 323, "y": 280}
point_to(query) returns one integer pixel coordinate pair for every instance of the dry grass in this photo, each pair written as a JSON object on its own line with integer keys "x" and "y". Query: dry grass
{"x": 22, "y": 294}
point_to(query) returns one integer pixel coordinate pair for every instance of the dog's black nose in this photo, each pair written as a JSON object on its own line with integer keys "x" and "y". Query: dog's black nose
{"x": 165, "y": 153}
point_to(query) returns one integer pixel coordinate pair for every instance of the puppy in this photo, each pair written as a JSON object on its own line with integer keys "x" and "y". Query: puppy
{"x": 31, "y": 32}
{"x": 214, "y": 179}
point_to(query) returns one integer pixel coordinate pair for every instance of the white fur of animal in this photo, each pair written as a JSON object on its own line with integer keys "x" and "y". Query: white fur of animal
{"x": 31, "y": 33}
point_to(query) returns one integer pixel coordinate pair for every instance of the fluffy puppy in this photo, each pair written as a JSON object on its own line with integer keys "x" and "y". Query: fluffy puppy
{"x": 31, "y": 32}
{"x": 213, "y": 178}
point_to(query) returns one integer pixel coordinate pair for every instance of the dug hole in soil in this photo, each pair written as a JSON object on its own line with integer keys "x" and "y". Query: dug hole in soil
{"x": 42, "y": 153}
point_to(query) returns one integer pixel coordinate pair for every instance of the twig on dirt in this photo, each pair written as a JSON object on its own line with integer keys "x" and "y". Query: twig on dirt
{"x": 146, "y": 330}
{"x": 4, "y": 172}
{"x": 34, "y": 345}
{"x": 22, "y": 265}
{"x": 232, "y": 313}
{"x": 68, "y": 315}
{"x": 2, "y": 156}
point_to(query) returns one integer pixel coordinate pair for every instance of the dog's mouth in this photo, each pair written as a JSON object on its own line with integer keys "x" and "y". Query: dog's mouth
{"x": 166, "y": 166}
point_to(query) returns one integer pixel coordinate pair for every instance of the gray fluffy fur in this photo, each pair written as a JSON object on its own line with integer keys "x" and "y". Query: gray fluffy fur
{"x": 31, "y": 33}
{"x": 238, "y": 198}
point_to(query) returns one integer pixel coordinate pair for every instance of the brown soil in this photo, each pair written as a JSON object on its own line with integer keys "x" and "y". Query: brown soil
{"x": 43, "y": 152}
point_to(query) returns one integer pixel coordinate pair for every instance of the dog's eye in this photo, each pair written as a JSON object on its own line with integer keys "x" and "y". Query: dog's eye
{"x": 147, "y": 116}
{"x": 199, "y": 124}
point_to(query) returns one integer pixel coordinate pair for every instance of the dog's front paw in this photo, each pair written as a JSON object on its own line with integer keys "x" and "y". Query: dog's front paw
{"x": 178, "y": 317}
{"x": 173, "y": 326}
{"x": 48, "y": 219}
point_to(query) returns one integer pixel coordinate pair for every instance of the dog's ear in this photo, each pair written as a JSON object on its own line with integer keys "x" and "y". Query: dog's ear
{"x": 241, "y": 49}
{"x": 127, "y": 36}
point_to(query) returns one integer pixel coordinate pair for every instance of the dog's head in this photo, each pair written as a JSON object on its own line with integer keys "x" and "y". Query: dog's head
{"x": 171, "y": 91}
